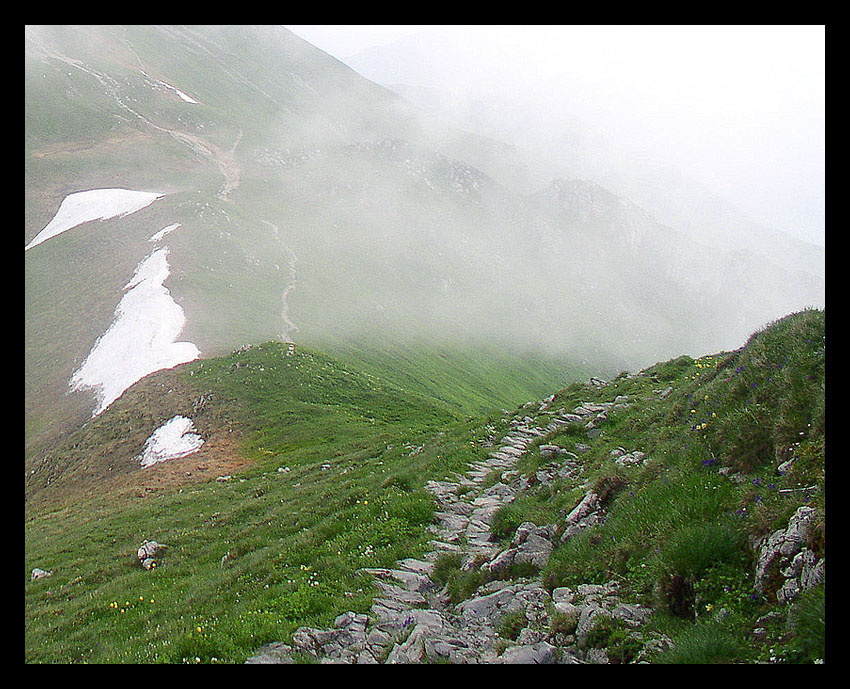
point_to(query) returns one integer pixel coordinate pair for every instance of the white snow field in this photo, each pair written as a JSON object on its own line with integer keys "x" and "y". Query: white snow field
{"x": 140, "y": 340}
{"x": 174, "y": 439}
{"x": 95, "y": 204}
{"x": 164, "y": 231}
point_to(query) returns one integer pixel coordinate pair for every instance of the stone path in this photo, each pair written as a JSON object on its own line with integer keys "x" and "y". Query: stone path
{"x": 412, "y": 620}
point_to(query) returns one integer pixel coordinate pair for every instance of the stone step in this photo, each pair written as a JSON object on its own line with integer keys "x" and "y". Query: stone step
{"x": 411, "y": 564}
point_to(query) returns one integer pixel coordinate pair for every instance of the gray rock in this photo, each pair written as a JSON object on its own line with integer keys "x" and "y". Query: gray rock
{"x": 485, "y": 607}
{"x": 562, "y": 594}
{"x": 149, "y": 549}
{"x": 410, "y": 580}
{"x": 412, "y": 650}
{"x": 275, "y": 653}
{"x": 631, "y": 459}
{"x": 588, "y": 504}
{"x": 777, "y": 553}
{"x": 502, "y": 561}
{"x": 549, "y": 451}
{"x": 632, "y": 614}
{"x": 812, "y": 575}
{"x": 534, "y": 550}
{"x": 597, "y": 656}
{"x": 541, "y": 653}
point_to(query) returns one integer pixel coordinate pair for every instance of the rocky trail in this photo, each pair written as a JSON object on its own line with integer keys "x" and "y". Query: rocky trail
{"x": 413, "y": 620}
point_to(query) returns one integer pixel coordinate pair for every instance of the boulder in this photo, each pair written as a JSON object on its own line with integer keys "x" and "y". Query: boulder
{"x": 147, "y": 552}
{"x": 783, "y": 559}
{"x": 149, "y": 549}
{"x": 541, "y": 653}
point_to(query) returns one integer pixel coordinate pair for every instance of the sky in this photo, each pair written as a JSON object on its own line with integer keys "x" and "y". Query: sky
{"x": 740, "y": 109}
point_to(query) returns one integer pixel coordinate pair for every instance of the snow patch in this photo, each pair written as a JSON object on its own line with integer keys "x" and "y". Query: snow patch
{"x": 164, "y": 231}
{"x": 95, "y": 204}
{"x": 140, "y": 340}
{"x": 182, "y": 95}
{"x": 174, "y": 439}
{"x": 186, "y": 98}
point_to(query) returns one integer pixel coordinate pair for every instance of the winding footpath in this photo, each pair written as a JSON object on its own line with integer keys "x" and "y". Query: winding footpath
{"x": 412, "y": 620}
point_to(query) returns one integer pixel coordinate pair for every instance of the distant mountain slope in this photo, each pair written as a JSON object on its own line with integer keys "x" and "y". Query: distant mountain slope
{"x": 296, "y": 200}
{"x": 423, "y": 68}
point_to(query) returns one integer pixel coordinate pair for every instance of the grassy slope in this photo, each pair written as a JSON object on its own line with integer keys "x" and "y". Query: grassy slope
{"x": 353, "y": 497}
{"x": 293, "y": 540}
{"x": 678, "y": 531}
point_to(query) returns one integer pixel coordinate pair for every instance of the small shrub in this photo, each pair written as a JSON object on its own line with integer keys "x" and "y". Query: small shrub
{"x": 506, "y": 520}
{"x": 511, "y": 625}
{"x": 691, "y": 552}
{"x": 445, "y": 566}
{"x": 563, "y": 623}
{"x": 807, "y": 621}
{"x": 460, "y": 584}
{"x": 613, "y": 636}
{"x": 705, "y": 644}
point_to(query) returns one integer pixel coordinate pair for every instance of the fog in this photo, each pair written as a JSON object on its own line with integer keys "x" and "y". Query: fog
{"x": 333, "y": 209}
{"x": 732, "y": 111}
{"x": 317, "y": 206}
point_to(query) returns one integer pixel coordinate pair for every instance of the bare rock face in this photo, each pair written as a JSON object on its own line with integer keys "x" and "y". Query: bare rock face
{"x": 784, "y": 563}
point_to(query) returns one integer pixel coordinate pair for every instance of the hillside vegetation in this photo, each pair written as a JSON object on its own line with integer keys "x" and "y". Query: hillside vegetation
{"x": 333, "y": 478}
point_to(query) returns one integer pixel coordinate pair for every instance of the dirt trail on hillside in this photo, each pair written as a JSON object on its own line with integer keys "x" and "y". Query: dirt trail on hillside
{"x": 223, "y": 161}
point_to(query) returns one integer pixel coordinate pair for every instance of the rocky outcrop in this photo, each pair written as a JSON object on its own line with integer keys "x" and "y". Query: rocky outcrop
{"x": 587, "y": 513}
{"x": 785, "y": 566}
{"x": 531, "y": 544}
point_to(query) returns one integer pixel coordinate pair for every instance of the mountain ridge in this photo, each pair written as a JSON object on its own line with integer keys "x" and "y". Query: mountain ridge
{"x": 331, "y": 496}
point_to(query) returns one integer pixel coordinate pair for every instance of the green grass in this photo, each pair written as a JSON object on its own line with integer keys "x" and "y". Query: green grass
{"x": 678, "y": 532}
{"x": 252, "y": 559}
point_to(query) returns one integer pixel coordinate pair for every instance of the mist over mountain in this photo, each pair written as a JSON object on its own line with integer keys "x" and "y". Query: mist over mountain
{"x": 295, "y": 200}
{"x": 645, "y": 114}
